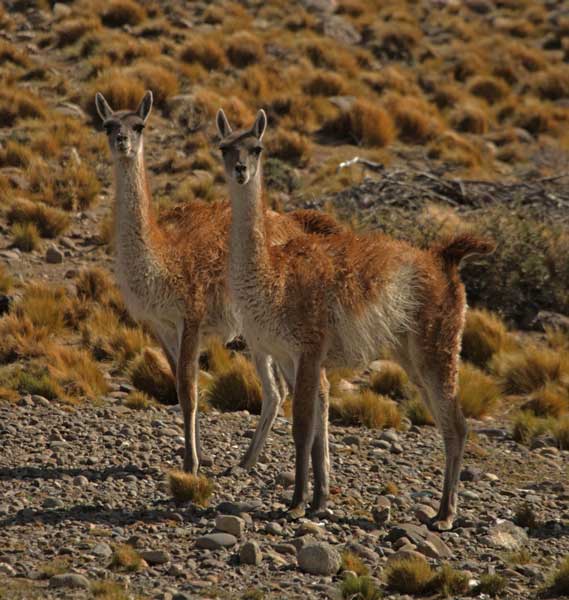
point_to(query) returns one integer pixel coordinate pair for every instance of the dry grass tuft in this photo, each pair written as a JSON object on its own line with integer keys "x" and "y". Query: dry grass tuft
{"x": 126, "y": 558}
{"x": 408, "y": 576}
{"x": 290, "y": 147}
{"x": 414, "y": 119}
{"x": 161, "y": 81}
{"x": 94, "y": 284}
{"x": 359, "y": 588}
{"x": 560, "y": 432}
{"x": 25, "y": 237}
{"x": 138, "y": 401}
{"x": 352, "y": 562}
{"x": 525, "y": 516}
{"x": 151, "y": 374}
{"x": 186, "y": 487}
{"x": 363, "y": 123}
{"x": 11, "y": 54}
{"x": 527, "y": 370}
{"x": 206, "y": 52}
{"x": 72, "y": 30}
{"x": 449, "y": 582}
{"x": 484, "y": 335}
{"x": 37, "y": 380}
{"x": 325, "y": 83}
{"x": 15, "y": 155}
{"x": 552, "y": 84}
{"x": 469, "y": 119}
{"x": 558, "y": 582}
{"x": 455, "y": 150}
{"x": 123, "y": 12}
{"x": 218, "y": 357}
{"x": 236, "y": 388}
{"x": 19, "y": 339}
{"x": 492, "y": 584}
{"x": 45, "y": 306}
{"x": 123, "y": 90}
{"x": 527, "y": 427}
{"x": 552, "y": 400}
{"x": 418, "y": 413}
{"x": 109, "y": 590}
{"x": 18, "y": 104}
{"x": 366, "y": 408}
{"x": 490, "y": 89}
{"x": 49, "y": 221}
{"x": 478, "y": 393}
{"x": 244, "y": 49}
{"x": 5, "y": 280}
{"x": 390, "y": 381}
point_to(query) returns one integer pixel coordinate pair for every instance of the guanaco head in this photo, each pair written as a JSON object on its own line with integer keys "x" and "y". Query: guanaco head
{"x": 241, "y": 150}
{"x": 124, "y": 127}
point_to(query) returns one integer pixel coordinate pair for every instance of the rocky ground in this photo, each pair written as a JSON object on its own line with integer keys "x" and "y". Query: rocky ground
{"x": 74, "y": 483}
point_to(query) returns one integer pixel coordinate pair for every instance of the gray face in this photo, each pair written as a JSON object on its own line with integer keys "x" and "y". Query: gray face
{"x": 241, "y": 156}
{"x": 124, "y": 127}
{"x": 124, "y": 132}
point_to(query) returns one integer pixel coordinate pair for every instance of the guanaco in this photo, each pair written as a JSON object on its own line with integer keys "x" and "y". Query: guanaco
{"x": 172, "y": 272}
{"x": 317, "y": 302}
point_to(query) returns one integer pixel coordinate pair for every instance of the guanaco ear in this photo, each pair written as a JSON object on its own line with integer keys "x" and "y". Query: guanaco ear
{"x": 223, "y": 126}
{"x": 260, "y": 125}
{"x": 103, "y": 108}
{"x": 145, "y": 106}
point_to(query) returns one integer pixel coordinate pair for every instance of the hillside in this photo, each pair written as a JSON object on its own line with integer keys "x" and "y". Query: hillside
{"x": 458, "y": 114}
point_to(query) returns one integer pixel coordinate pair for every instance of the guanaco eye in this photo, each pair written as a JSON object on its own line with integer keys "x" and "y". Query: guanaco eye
{"x": 139, "y": 127}
{"x": 257, "y": 150}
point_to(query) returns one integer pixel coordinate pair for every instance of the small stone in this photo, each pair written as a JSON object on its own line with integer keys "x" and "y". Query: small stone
{"x": 389, "y": 436}
{"x": 230, "y": 524}
{"x": 53, "y": 256}
{"x": 182, "y": 596}
{"x": 250, "y": 554}
{"x": 425, "y": 513}
{"x": 52, "y": 503}
{"x": 491, "y": 477}
{"x": 215, "y": 541}
{"x": 61, "y": 10}
{"x": 176, "y": 570}
{"x": 274, "y": 528}
{"x": 471, "y": 474}
{"x": 156, "y": 557}
{"x": 404, "y": 554}
{"x": 80, "y": 481}
{"x": 236, "y": 508}
{"x": 285, "y": 549}
{"x": 6, "y": 569}
{"x": 382, "y": 511}
{"x": 309, "y": 528}
{"x": 319, "y": 559}
{"x": 69, "y": 580}
{"x": 352, "y": 440}
{"x": 285, "y": 478}
{"x": 40, "y": 400}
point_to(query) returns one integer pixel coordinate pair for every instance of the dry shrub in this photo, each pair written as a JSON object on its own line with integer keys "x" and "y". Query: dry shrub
{"x": 50, "y": 222}
{"x": 125, "y": 558}
{"x": 558, "y": 580}
{"x": 44, "y": 306}
{"x": 449, "y": 583}
{"x": 491, "y": 584}
{"x": 484, "y": 335}
{"x": 390, "y": 381}
{"x": 19, "y": 339}
{"x": 138, "y": 401}
{"x": 418, "y": 413}
{"x": 151, "y": 374}
{"x": 161, "y": 81}
{"x": 15, "y": 155}
{"x": 527, "y": 427}
{"x": 123, "y": 12}
{"x": 448, "y": 95}
{"x": 408, "y": 576}
{"x": 336, "y": 376}
{"x": 534, "y": 116}
{"x": 525, "y": 516}
{"x": 393, "y": 78}
{"x": 205, "y": 51}
{"x": 25, "y": 237}
{"x": 70, "y": 31}
{"x": 12, "y": 54}
{"x": 123, "y": 90}
{"x": 352, "y": 562}
{"x": 186, "y": 487}
{"x": 37, "y": 380}
{"x": 236, "y": 387}
{"x": 552, "y": 400}
{"x": 560, "y": 430}
{"x": 455, "y": 150}
{"x": 478, "y": 393}
{"x": 18, "y": 104}
{"x": 327, "y": 54}
{"x": 244, "y": 49}
{"x": 467, "y": 65}
{"x": 77, "y": 372}
{"x": 325, "y": 83}
{"x": 290, "y": 147}
{"x": 395, "y": 40}
{"x": 360, "y": 588}
{"x": 488, "y": 88}
{"x": 552, "y": 84}
{"x": 94, "y": 284}
{"x": 366, "y": 408}
{"x": 528, "y": 369}
{"x": 5, "y": 280}
{"x": 108, "y": 590}
{"x": 469, "y": 119}
{"x": 363, "y": 123}
{"x": 414, "y": 119}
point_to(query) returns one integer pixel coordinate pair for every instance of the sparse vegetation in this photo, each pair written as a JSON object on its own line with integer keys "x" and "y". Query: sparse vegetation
{"x": 408, "y": 576}
{"x": 236, "y": 388}
{"x": 484, "y": 335}
{"x": 391, "y": 380}
{"x": 126, "y": 558}
{"x": 478, "y": 393}
{"x": 138, "y": 401}
{"x": 418, "y": 413}
{"x": 492, "y": 584}
{"x": 186, "y": 487}
{"x": 50, "y": 222}
{"x": 525, "y": 516}
{"x": 558, "y": 582}
{"x": 151, "y": 374}
{"x": 365, "y": 408}
{"x": 25, "y": 237}
{"x": 109, "y": 590}
{"x": 359, "y": 588}
{"x": 352, "y": 562}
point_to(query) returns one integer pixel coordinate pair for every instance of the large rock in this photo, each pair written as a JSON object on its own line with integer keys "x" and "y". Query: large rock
{"x": 319, "y": 559}
{"x": 230, "y": 524}
{"x": 250, "y": 554}
{"x": 507, "y": 536}
{"x": 156, "y": 557}
{"x": 236, "y": 508}
{"x": 215, "y": 541}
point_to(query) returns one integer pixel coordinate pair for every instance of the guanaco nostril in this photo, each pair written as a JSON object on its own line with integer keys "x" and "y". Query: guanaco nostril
{"x": 240, "y": 168}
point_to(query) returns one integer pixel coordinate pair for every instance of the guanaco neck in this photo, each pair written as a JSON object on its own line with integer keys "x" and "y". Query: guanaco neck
{"x": 248, "y": 237}
{"x": 135, "y": 227}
